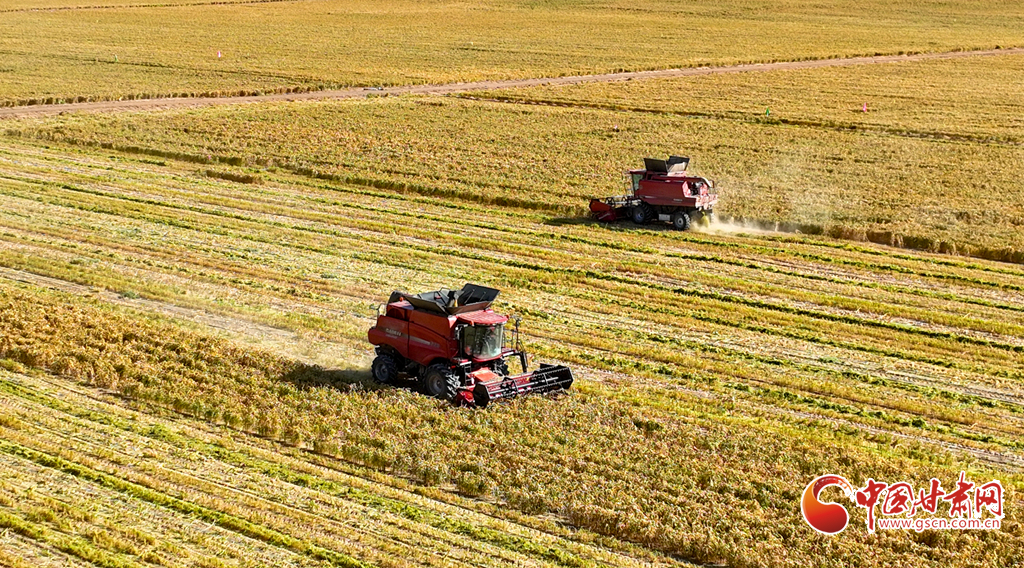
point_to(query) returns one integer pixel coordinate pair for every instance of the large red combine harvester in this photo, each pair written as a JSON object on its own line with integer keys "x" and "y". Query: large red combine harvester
{"x": 662, "y": 191}
{"x": 454, "y": 345}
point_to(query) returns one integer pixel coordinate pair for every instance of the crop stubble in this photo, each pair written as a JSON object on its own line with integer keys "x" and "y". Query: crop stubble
{"x": 718, "y": 372}
{"x": 829, "y": 350}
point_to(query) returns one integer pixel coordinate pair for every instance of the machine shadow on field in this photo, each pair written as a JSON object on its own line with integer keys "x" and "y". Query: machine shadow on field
{"x": 564, "y": 221}
{"x": 613, "y": 226}
{"x": 305, "y": 376}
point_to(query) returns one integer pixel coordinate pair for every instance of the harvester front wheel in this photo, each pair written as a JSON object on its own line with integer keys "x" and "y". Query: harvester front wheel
{"x": 681, "y": 220}
{"x": 384, "y": 369}
{"x": 639, "y": 214}
{"x": 439, "y": 381}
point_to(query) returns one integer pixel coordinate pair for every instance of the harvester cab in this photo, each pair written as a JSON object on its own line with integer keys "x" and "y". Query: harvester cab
{"x": 662, "y": 191}
{"x": 456, "y": 347}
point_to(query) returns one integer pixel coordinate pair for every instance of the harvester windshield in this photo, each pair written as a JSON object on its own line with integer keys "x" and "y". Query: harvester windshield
{"x": 634, "y": 179}
{"x": 483, "y": 341}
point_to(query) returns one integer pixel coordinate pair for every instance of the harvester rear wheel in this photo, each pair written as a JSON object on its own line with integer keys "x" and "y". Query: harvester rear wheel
{"x": 384, "y": 369}
{"x": 439, "y": 381}
{"x": 681, "y": 220}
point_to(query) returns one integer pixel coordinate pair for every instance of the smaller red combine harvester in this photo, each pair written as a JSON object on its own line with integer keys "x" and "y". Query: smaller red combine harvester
{"x": 662, "y": 191}
{"x": 454, "y": 345}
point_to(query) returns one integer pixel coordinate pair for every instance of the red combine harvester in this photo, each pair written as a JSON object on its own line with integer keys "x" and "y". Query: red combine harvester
{"x": 454, "y": 345}
{"x": 662, "y": 191}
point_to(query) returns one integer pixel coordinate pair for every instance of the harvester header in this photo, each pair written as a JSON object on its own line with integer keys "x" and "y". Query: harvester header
{"x": 455, "y": 346}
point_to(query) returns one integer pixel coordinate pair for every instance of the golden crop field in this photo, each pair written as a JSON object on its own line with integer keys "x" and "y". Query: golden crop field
{"x": 149, "y": 50}
{"x": 896, "y": 182}
{"x": 88, "y": 481}
{"x": 936, "y": 155}
{"x": 716, "y": 374}
{"x": 973, "y": 99}
{"x": 185, "y": 293}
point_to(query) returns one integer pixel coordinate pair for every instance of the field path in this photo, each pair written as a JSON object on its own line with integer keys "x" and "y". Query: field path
{"x": 281, "y": 341}
{"x": 361, "y": 92}
{"x": 234, "y": 325}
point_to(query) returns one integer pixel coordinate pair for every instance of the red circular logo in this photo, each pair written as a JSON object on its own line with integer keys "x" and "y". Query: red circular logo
{"x": 828, "y": 517}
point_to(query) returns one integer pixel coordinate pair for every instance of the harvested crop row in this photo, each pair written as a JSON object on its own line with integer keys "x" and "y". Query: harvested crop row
{"x": 674, "y": 337}
{"x": 594, "y": 464}
{"x": 176, "y": 438}
{"x": 894, "y": 307}
{"x": 156, "y": 460}
{"x": 352, "y": 225}
{"x": 847, "y": 182}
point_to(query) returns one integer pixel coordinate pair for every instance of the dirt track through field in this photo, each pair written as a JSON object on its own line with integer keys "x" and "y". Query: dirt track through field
{"x": 216, "y": 321}
{"x": 451, "y": 88}
{"x": 278, "y": 340}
